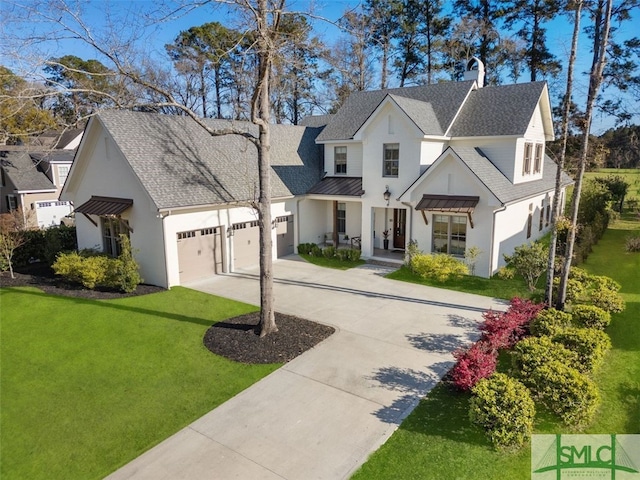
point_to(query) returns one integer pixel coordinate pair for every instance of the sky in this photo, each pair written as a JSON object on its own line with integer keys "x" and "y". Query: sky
{"x": 558, "y": 36}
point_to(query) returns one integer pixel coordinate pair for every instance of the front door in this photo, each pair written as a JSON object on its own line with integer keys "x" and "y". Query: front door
{"x": 399, "y": 227}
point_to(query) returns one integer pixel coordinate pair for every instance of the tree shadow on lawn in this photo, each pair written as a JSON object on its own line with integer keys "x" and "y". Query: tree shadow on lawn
{"x": 116, "y": 306}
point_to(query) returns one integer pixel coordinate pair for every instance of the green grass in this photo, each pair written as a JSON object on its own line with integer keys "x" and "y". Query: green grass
{"x": 437, "y": 440}
{"x": 332, "y": 262}
{"x": 88, "y": 385}
{"x": 491, "y": 287}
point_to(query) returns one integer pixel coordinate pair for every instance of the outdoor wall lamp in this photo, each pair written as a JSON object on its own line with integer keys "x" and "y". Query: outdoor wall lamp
{"x": 387, "y": 194}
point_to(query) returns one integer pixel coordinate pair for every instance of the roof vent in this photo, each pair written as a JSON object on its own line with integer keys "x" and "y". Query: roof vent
{"x": 475, "y": 71}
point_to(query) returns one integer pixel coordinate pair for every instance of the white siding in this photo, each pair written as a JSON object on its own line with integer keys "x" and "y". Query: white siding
{"x": 354, "y": 159}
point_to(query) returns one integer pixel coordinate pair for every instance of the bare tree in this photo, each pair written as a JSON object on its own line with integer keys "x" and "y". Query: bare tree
{"x": 566, "y": 112}
{"x": 263, "y": 18}
{"x": 13, "y": 227}
{"x": 601, "y": 38}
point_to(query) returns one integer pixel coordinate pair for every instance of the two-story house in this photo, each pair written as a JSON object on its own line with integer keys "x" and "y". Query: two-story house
{"x": 32, "y": 178}
{"x": 450, "y": 166}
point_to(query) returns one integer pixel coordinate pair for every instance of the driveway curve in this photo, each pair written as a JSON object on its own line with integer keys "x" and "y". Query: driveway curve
{"x": 322, "y": 414}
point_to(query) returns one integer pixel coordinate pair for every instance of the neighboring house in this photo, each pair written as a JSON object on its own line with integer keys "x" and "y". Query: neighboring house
{"x": 450, "y": 165}
{"x": 32, "y": 179}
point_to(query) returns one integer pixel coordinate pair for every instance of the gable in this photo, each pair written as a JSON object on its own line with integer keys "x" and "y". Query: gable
{"x": 444, "y": 98}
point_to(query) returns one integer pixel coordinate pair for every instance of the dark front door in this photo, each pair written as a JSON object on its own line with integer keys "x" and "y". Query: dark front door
{"x": 399, "y": 227}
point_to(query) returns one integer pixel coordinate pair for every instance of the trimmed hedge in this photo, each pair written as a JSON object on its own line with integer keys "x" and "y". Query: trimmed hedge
{"x": 440, "y": 267}
{"x": 565, "y": 391}
{"x": 473, "y": 364}
{"x": 590, "y": 344}
{"x": 503, "y": 407}
{"x": 533, "y": 352}
{"x": 608, "y": 300}
{"x": 590, "y": 316}
{"x": 549, "y": 322}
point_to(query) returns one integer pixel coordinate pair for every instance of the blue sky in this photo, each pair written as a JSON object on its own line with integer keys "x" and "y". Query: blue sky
{"x": 559, "y": 35}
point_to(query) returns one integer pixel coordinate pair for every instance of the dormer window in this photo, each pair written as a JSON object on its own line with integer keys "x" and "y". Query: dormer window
{"x": 340, "y": 160}
{"x": 391, "y": 160}
{"x": 537, "y": 163}
{"x": 63, "y": 172}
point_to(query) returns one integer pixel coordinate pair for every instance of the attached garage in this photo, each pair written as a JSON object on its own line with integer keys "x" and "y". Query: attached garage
{"x": 199, "y": 253}
{"x": 284, "y": 231}
{"x": 246, "y": 244}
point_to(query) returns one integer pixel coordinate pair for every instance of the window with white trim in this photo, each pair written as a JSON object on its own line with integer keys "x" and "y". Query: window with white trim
{"x": 449, "y": 234}
{"x": 12, "y": 202}
{"x": 112, "y": 228}
{"x": 63, "y": 172}
{"x": 341, "y": 217}
{"x": 391, "y": 160}
{"x": 340, "y": 160}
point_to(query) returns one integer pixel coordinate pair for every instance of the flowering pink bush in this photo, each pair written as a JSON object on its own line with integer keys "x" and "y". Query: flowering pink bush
{"x": 473, "y": 364}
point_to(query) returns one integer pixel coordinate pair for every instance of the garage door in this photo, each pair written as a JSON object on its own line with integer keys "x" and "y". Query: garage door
{"x": 246, "y": 244}
{"x": 284, "y": 231}
{"x": 199, "y": 253}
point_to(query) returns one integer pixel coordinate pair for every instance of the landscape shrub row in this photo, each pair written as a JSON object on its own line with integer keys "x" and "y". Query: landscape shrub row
{"x": 45, "y": 244}
{"x": 92, "y": 269}
{"x": 553, "y": 354}
{"x": 344, "y": 254}
{"x": 440, "y": 266}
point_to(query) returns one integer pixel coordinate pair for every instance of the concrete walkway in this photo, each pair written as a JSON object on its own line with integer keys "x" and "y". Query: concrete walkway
{"x": 321, "y": 415}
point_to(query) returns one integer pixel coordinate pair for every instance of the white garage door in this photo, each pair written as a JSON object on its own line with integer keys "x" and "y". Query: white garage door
{"x": 199, "y": 253}
{"x": 246, "y": 244}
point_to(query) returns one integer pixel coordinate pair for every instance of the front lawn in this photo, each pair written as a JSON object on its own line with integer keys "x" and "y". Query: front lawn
{"x": 332, "y": 262}
{"x": 89, "y": 385}
{"x": 490, "y": 287}
{"x": 437, "y": 440}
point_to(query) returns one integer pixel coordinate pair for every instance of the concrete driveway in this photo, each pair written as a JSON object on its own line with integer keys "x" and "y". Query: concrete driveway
{"x": 321, "y": 415}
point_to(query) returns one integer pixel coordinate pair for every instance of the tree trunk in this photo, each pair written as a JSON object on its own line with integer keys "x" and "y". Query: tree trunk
{"x": 595, "y": 80}
{"x": 260, "y": 116}
{"x": 555, "y": 210}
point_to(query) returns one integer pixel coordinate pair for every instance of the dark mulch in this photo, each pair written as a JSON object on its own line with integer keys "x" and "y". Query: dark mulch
{"x": 235, "y": 338}
{"x": 238, "y": 339}
{"x": 41, "y": 276}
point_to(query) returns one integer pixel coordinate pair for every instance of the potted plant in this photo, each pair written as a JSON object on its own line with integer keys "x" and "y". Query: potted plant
{"x": 385, "y": 239}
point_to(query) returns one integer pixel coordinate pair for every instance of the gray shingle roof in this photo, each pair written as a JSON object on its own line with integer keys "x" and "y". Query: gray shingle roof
{"x": 444, "y": 99}
{"x": 180, "y": 164}
{"x": 315, "y": 121}
{"x": 498, "y": 110}
{"x": 351, "y": 186}
{"x": 23, "y": 172}
{"x": 499, "y": 185}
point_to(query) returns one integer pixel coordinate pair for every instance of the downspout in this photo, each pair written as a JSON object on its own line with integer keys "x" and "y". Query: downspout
{"x": 164, "y": 247}
{"x": 493, "y": 235}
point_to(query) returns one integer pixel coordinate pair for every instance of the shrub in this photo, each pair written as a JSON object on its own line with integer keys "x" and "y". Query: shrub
{"x": 579, "y": 274}
{"x": 506, "y": 273}
{"x": 503, "y": 330}
{"x": 315, "y": 251}
{"x": 353, "y": 254}
{"x": 533, "y": 352}
{"x": 96, "y": 270}
{"x": 550, "y": 322}
{"x": 590, "y": 344}
{"x": 440, "y": 267}
{"x": 477, "y": 362}
{"x": 633, "y": 244}
{"x": 503, "y": 407}
{"x": 329, "y": 252}
{"x": 565, "y": 391}
{"x": 607, "y": 300}
{"x": 590, "y": 316}
{"x": 575, "y": 289}
{"x": 305, "y": 248}
{"x": 529, "y": 261}
{"x": 599, "y": 282}
{"x": 411, "y": 251}
{"x": 341, "y": 254}
{"x": 471, "y": 256}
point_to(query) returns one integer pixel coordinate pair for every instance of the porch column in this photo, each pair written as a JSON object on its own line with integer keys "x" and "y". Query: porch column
{"x": 366, "y": 243}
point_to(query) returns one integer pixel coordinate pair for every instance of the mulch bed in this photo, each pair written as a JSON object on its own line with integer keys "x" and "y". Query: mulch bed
{"x": 236, "y": 338}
